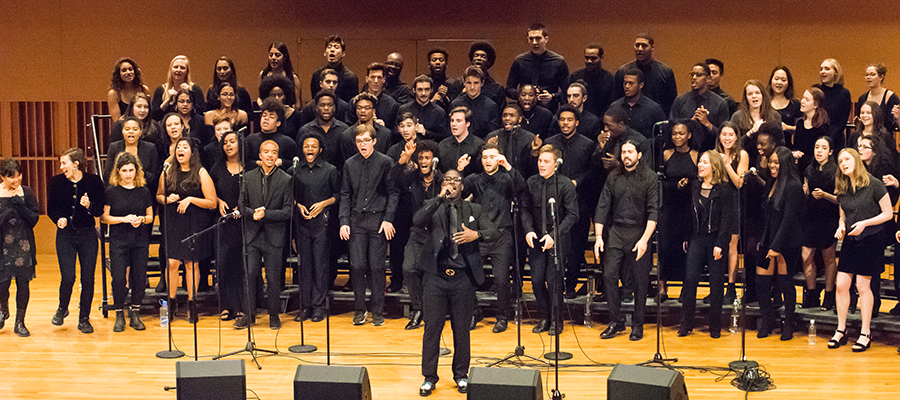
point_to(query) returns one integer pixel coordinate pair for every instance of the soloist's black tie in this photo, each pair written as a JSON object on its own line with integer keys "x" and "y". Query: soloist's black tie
{"x": 454, "y": 228}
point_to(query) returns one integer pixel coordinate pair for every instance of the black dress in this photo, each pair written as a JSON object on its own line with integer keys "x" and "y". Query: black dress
{"x": 18, "y": 215}
{"x": 180, "y": 226}
{"x": 229, "y": 247}
{"x": 805, "y": 140}
{"x": 791, "y": 113}
{"x": 820, "y": 217}
{"x": 676, "y": 206}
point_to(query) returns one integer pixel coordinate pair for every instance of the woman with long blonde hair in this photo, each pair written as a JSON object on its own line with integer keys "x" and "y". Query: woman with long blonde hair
{"x": 179, "y": 77}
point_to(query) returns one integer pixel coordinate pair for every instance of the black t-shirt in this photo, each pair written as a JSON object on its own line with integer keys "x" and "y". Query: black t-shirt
{"x": 863, "y": 204}
{"x": 122, "y": 202}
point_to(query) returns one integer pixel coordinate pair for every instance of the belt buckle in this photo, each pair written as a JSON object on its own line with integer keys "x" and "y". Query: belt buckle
{"x": 450, "y": 271}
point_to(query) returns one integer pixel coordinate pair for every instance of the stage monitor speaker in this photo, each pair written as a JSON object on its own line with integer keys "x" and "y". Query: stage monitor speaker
{"x": 629, "y": 382}
{"x": 504, "y": 384}
{"x": 319, "y": 382}
{"x": 211, "y": 380}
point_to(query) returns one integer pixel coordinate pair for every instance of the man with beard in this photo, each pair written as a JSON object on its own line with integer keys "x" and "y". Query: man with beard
{"x": 541, "y": 235}
{"x": 317, "y": 185}
{"x": 334, "y": 56}
{"x": 702, "y": 105}
{"x": 341, "y": 109}
{"x": 433, "y": 123}
{"x": 495, "y": 189}
{"x": 600, "y": 83}
{"x": 460, "y": 143}
{"x": 386, "y": 107}
{"x": 368, "y": 205}
{"x": 543, "y": 68}
{"x": 642, "y": 112}
{"x": 451, "y": 270}
{"x": 628, "y": 207}
{"x": 326, "y": 125}
{"x": 446, "y": 88}
{"x": 365, "y": 105}
{"x": 517, "y": 145}
{"x": 589, "y": 125}
{"x": 399, "y": 91}
{"x": 485, "y": 114}
{"x": 659, "y": 80}
{"x": 418, "y": 181}
{"x": 482, "y": 55}
{"x": 535, "y": 119}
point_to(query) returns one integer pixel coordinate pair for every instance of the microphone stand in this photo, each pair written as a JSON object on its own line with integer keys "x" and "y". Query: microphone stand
{"x": 192, "y": 241}
{"x": 519, "y": 352}
{"x": 250, "y": 347}
{"x": 556, "y": 313}
{"x": 302, "y": 347}
{"x": 743, "y": 364}
{"x": 164, "y": 275}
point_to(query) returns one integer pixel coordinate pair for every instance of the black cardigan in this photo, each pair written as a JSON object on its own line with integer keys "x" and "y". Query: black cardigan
{"x": 63, "y": 200}
{"x": 782, "y": 226}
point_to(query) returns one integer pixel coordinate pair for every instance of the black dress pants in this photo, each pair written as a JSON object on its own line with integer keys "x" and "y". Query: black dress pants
{"x": 618, "y": 258}
{"x": 700, "y": 254}
{"x": 501, "y": 255}
{"x": 368, "y": 250}
{"x": 122, "y": 256}
{"x": 273, "y": 255}
{"x": 454, "y": 295}
{"x": 80, "y": 244}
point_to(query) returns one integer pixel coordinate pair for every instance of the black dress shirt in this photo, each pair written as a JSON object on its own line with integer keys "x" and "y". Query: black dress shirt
{"x": 537, "y": 121}
{"x": 495, "y": 193}
{"x": 399, "y": 91}
{"x": 485, "y": 113}
{"x": 287, "y": 148}
{"x": 451, "y": 150}
{"x": 688, "y": 102}
{"x": 536, "y": 215}
{"x": 333, "y": 151}
{"x": 341, "y": 112}
{"x": 157, "y": 111}
{"x": 578, "y": 156}
{"x": 589, "y": 125}
{"x": 433, "y": 118}
{"x": 491, "y": 89}
{"x": 385, "y": 110}
{"x": 348, "y": 140}
{"x": 348, "y": 83}
{"x": 659, "y": 82}
{"x": 516, "y": 147}
{"x": 454, "y": 86}
{"x": 413, "y": 193}
{"x": 642, "y": 115}
{"x": 628, "y": 198}
{"x": 368, "y": 187}
{"x": 838, "y": 104}
{"x": 732, "y": 105}
{"x": 314, "y": 183}
{"x": 548, "y": 71}
{"x": 601, "y": 89}
{"x": 64, "y": 200}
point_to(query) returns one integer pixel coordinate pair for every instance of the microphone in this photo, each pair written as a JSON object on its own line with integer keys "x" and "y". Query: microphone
{"x": 751, "y": 171}
{"x": 165, "y": 166}
{"x": 296, "y": 161}
{"x": 434, "y": 163}
{"x": 552, "y": 201}
{"x": 559, "y": 162}
{"x": 235, "y": 213}
{"x": 242, "y": 130}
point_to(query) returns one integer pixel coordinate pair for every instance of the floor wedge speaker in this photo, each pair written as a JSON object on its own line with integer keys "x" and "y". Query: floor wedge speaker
{"x": 211, "y": 380}
{"x": 629, "y": 382}
{"x": 319, "y": 382}
{"x": 504, "y": 384}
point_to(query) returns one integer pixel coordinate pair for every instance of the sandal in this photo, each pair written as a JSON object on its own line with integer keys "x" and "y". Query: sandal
{"x": 227, "y": 316}
{"x": 835, "y": 343}
{"x": 859, "y": 347}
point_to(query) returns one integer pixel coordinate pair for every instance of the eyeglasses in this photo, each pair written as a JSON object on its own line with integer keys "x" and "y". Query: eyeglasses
{"x": 452, "y": 179}
{"x": 365, "y": 108}
{"x": 364, "y": 141}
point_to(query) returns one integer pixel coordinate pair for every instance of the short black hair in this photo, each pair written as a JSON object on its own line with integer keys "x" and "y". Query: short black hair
{"x": 9, "y": 167}
{"x": 717, "y": 63}
{"x": 646, "y": 35}
{"x": 773, "y": 130}
{"x": 537, "y": 26}
{"x": 514, "y": 106}
{"x": 365, "y": 96}
{"x": 568, "y": 108}
{"x": 704, "y": 65}
{"x": 485, "y": 47}
{"x": 617, "y": 114}
{"x": 426, "y": 145}
{"x": 324, "y": 93}
{"x": 375, "y": 66}
{"x": 636, "y": 72}
{"x": 597, "y": 46}
{"x": 272, "y": 105}
{"x": 422, "y": 78}
{"x": 312, "y": 135}
{"x": 439, "y": 50}
{"x": 327, "y": 71}
{"x": 335, "y": 39}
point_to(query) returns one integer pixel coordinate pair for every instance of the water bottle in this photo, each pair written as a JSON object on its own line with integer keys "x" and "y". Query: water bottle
{"x": 735, "y": 316}
{"x": 812, "y": 332}
{"x": 164, "y": 314}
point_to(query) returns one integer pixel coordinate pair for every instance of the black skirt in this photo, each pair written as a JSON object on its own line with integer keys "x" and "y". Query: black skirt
{"x": 862, "y": 257}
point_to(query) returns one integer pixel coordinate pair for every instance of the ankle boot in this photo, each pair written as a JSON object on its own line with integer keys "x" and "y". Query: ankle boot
{"x": 827, "y": 301}
{"x": 810, "y": 298}
{"x": 767, "y": 314}
{"x": 192, "y": 310}
{"x": 730, "y": 294}
{"x": 173, "y": 309}
{"x": 119, "y": 326}
{"x": 4, "y": 313}
{"x": 789, "y": 293}
{"x": 20, "y": 328}
{"x": 135, "y": 319}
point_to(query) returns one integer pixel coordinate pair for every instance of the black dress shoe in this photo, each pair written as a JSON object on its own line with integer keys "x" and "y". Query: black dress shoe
{"x": 274, "y": 322}
{"x": 318, "y": 315}
{"x": 84, "y": 325}
{"x": 415, "y": 320}
{"x": 682, "y": 332}
{"x": 715, "y": 334}
{"x": 553, "y": 329}
{"x": 500, "y": 326}
{"x": 59, "y": 317}
{"x": 242, "y": 322}
{"x": 542, "y": 326}
{"x": 637, "y": 333}
{"x": 395, "y": 287}
{"x": 612, "y": 330}
{"x": 426, "y": 389}
{"x": 303, "y": 315}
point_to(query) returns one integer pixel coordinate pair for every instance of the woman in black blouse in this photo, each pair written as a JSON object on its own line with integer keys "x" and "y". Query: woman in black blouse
{"x": 781, "y": 93}
{"x": 713, "y": 207}
{"x": 179, "y": 77}
{"x": 812, "y": 125}
{"x": 837, "y": 101}
{"x": 224, "y": 72}
{"x": 780, "y": 243}
{"x": 191, "y": 119}
{"x": 737, "y": 162}
{"x": 871, "y": 122}
{"x": 131, "y": 143}
{"x": 18, "y": 215}
{"x": 75, "y": 198}
{"x": 140, "y": 109}
{"x": 884, "y": 98}
{"x": 865, "y": 206}
{"x": 226, "y": 175}
{"x": 128, "y": 208}
{"x": 754, "y": 110}
{"x": 280, "y": 65}
{"x": 820, "y": 216}
{"x": 126, "y": 82}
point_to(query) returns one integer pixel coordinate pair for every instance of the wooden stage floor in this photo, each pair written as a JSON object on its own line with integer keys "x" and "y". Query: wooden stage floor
{"x": 62, "y": 363}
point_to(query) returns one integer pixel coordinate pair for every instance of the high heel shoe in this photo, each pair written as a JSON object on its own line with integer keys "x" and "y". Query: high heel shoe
{"x": 859, "y": 347}
{"x": 835, "y": 343}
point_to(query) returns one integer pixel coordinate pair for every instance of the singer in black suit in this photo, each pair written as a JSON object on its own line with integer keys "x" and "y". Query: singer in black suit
{"x": 451, "y": 269}
{"x": 266, "y": 205}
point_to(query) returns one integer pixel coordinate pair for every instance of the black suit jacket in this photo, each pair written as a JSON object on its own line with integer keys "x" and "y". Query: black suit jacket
{"x": 277, "y": 204}
{"x": 433, "y": 215}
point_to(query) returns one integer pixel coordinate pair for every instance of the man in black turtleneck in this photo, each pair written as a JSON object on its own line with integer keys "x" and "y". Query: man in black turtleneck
{"x": 600, "y": 83}
{"x": 433, "y": 120}
{"x": 515, "y": 143}
{"x": 445, "y": 88}
{"x": 399, "y": 91}
{"x": 535, "y": 119}
{"x": 541, "y": 67}
{"x": 334, "y": 56}
{"x": 483, "y": 55}
{"x": 659, "y": 80}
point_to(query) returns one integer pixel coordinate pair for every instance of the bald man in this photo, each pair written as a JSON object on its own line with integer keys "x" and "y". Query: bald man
{"x": 399, "y": 91}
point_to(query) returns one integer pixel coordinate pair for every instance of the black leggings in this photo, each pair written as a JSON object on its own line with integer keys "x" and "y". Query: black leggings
{"x": 80, "y": 244}
{"x": 23, "y": 292}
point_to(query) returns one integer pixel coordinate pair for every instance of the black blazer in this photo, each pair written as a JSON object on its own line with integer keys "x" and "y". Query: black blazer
{"x": 277, "y": 204}
{"x": 782, "y": 226}
{"x": 723, "y": 213}
{"x": 147, "y": 155}
{"x": 433, "y": 214}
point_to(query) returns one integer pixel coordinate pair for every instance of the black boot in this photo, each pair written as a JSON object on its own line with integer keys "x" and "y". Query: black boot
{"x": 767, "y": 314}
{"x": 192, "y": 309}
{"x": 827, "y": 301}
{"x": 730, "y": 294}
{"x": 173, "y": 309}
{"x": 20, "y": 328}
{"x": 810, "y": 298}
{"x": 135, "y": 319}
{"x": 119, "y": 326}
{"x": 4, "y": 313}
{"x": 789, "y": 293}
